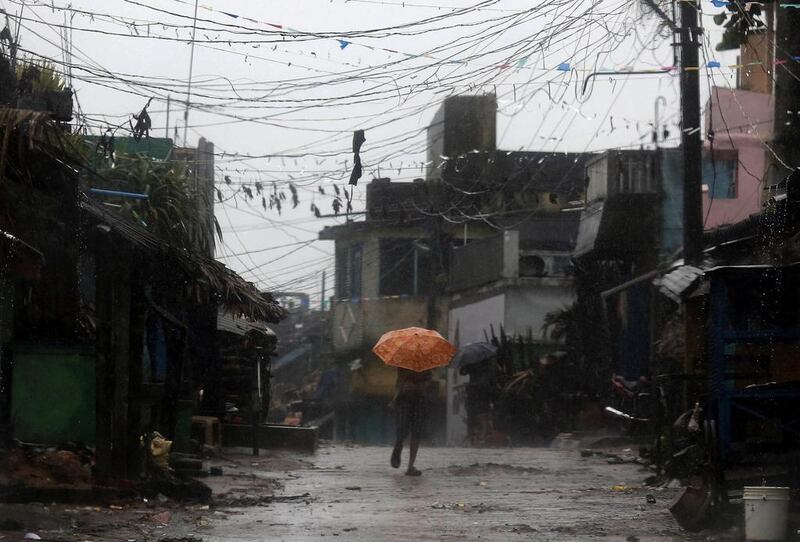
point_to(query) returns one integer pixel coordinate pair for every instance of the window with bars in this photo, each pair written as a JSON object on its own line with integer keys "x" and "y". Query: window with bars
{"x": 405, "y": 267}
{"x": 719, "y": 175}
{"x": 349, "y": 259}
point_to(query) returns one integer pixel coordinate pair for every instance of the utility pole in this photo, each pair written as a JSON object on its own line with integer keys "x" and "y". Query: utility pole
{"x": 189, "y": 82}
{"x": 691, "y": 141}
{"x": 787, "y": 93}
{"x": 322, "y": 301}
{"x": 166, "y": 129}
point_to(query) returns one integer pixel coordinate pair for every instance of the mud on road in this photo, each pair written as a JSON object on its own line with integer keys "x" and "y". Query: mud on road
{"x": 351, "y": 493}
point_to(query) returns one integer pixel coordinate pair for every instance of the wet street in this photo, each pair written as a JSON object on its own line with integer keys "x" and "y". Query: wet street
{"x": 351, "y": 493}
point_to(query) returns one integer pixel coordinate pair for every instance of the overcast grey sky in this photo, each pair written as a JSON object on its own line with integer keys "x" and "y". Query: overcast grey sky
{"x": 298, "y": 97}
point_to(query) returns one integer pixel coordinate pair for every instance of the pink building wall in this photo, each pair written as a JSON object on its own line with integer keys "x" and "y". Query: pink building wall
{"x": 742, "y": 121}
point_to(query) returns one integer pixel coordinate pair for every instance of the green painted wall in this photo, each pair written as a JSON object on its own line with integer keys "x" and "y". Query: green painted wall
{"x": 159, "y": 148}
{"x": 53, "y": 395}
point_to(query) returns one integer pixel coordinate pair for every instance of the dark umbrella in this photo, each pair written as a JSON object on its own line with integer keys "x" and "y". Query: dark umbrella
{"x": 472, "y": 354}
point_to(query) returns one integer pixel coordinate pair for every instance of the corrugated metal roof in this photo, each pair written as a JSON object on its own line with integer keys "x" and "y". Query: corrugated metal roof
{"x": 239, "y": 326}
{"x": 290, "y": 357}
{"x": 677, "y": 282}
{"x": 588, "y": 228}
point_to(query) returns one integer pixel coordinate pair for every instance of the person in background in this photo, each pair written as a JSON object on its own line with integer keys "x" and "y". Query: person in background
{"x": 481, "y": 392}
{"x": 409, "y": 402}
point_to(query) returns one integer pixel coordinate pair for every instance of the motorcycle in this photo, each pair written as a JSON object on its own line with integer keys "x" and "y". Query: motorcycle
{"x": 632, "y": 401}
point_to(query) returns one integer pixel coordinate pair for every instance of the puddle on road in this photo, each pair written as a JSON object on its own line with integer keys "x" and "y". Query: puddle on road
{"x": 488, "y": 469}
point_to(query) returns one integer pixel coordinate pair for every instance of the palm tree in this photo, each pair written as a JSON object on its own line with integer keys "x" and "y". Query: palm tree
{"x": 170, "y": 211}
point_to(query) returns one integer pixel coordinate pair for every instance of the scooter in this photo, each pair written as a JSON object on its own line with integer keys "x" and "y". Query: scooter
{"x": 634, "y": 397}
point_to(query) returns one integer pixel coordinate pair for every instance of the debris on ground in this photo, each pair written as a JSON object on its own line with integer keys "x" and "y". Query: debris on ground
{"x": 466, "y": 507}
{"x": 626, "y": 456}
{"x": 10, "y": 525}
{"x": 515, "y": 494}
{"x": 66, "y": 467}
{"x": 178, "y": 489}
{"x": 243, "y": 501}
{"x": 516, "y": 528}
{"x": 162, "y": 518}
{"x": 489, "y": 468}
{"x": 45, "y": 468}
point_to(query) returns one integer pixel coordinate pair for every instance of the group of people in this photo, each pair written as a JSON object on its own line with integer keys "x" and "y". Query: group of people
{"x": 410, "y": 402}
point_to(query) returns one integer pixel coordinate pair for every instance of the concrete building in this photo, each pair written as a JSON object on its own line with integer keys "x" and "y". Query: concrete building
{"x": 507, "y": 282}
{"x": 462, "y": 125}
{"x": 409, "y": 264}
{"x": 384, "y": 280}
{"x": 741, "y": 120}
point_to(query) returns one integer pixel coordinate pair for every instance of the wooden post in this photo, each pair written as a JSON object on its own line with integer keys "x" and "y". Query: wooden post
{"x": 120, "y": 339}
{"x": 103, "y": 360}
{"x": 139, "y": 411}
{"x": 112, "y": 361}
{"x": 255, "y": 401}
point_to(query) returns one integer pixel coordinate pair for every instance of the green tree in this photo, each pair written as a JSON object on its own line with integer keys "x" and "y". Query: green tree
{"x": 740, "y": 19}
{"x": 170, "y": 211}
{"x": 39, "y": 77}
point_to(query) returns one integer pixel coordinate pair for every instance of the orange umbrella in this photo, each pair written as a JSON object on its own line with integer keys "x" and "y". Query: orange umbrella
{"x": 414, "y": 348}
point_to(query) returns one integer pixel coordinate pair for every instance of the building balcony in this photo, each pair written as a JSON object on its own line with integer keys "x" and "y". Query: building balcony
{"x": 509, "y": 257}
{"x": 359, "y": 323}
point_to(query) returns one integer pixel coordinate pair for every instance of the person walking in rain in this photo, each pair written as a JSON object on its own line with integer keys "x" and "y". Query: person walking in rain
{"x": 414, "y": 351}
{"x": 409, "y": 403}
{"x": 481, "y": 393}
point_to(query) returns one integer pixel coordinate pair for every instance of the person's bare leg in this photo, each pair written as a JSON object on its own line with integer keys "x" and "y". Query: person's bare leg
{"x": 483, "y": 428}
{"x": 403, "y": 429}
{"x": 412, "y": 456}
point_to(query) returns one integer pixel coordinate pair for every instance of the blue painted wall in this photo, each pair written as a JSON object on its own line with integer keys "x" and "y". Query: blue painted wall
{"x": 672, "y": 205}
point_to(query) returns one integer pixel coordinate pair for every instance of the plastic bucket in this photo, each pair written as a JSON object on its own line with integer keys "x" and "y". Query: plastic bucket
{"x": 766, "y": 512}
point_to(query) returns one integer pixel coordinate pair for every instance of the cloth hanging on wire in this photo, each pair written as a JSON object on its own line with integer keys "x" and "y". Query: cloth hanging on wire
{"x": 358, "y": 140}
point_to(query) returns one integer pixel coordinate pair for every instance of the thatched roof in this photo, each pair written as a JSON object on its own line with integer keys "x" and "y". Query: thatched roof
{"x": 236, "y": 294}
{"x": 48, "y": 143}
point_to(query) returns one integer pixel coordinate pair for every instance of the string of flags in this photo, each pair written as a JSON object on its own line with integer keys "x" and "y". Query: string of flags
{"x": 715, "y": 3}
{"x": 566, "y": 67}
{"x": 726, "y": 3}
{"x": 519, "y": 64}
{"x": 343, "y": 44}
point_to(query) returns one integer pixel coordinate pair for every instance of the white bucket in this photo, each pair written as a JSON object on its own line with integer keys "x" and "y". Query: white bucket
{"x": 766, "y": 512}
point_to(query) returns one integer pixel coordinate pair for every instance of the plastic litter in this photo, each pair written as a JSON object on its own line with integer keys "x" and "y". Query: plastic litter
{"x": 159, "y": 451}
